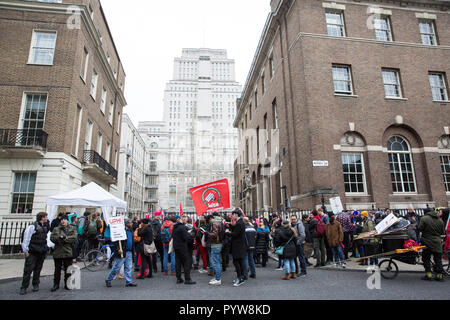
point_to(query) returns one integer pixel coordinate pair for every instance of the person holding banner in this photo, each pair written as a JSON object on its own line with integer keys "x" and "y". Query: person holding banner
{"x": 123, "y": 250}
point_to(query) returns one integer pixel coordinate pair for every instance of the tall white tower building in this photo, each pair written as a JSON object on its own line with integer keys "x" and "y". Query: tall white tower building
{"x": 199, "y": 109}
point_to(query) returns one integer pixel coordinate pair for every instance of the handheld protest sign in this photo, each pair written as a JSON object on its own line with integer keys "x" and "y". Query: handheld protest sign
{"x": 117, "y": 227}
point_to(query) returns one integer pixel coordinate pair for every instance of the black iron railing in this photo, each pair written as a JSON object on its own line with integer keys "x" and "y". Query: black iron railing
{"x": 92, "y": 157}
{"x": 23, "y": 138}
{"x": 11, "y": 236}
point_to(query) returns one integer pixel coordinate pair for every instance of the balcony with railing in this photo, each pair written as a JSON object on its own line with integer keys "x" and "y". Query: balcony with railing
{"x": 25, "y": 143}
{"x": 95, "y": 165}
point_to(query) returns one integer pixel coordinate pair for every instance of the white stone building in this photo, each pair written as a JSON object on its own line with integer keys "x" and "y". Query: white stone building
{"x": 133, "y": 161}
{"x": 197, "y": 143}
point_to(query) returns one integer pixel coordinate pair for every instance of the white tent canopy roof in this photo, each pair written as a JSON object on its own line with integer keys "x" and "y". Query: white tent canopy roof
{"x": 91, "y": 195}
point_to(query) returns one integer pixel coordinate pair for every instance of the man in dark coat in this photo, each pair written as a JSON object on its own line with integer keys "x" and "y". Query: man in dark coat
{"x": 183, "y": 258}
{"x": 226, "y": 244}
{"x": 238, "y": 245}
{"x": 146, "y": 234}
{"x": 432, "y": 229}
{"x": 34, "y": 246}
{"x": 156, "y": 228}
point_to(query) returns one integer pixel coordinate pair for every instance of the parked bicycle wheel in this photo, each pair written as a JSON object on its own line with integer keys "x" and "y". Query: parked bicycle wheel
{"x": 95, "y": 260}
{"x": 388, "y": 269}
{"x": 84, "y": 249}
{"x": 446, "y": 265}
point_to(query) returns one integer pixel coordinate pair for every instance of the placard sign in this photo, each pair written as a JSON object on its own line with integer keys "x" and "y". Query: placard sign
{"x": 117, "y": 227}
{"x": 336, "y": 205}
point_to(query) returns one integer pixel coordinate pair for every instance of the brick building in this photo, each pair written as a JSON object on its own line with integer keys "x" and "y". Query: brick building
{"x": 357, "y": 94}
{"x": 61, "y": 100}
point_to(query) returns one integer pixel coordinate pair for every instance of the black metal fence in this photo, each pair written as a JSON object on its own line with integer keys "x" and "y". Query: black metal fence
{"x": 23, "y": 138}
{"x": 92, "y": 157}
{"x": 11, "y": 236}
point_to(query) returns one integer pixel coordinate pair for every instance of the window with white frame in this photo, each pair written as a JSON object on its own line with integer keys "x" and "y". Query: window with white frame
{"x": 354, "y": 175}
{"x": 88, "y": 136}
{"x": 445, "y": 165}
{"x": 23, "y": 192}
{"x": 84, "y": 64}
{"x": 427, "y": 32}
{"x": 401, "y": 165}
{"x": 391, "y": 81}
{"x": 99, "y": 143}
{"x": 335, "y": 23}
{"x": 108, "y": 151}
{"x": 94, "y": 82}
{"x": 42, "y": 47}
{"x": 103, "y": 101}
{"x": 342, "y": 80}
{"x": 272, "y": 66}
{"x": 382, "y": 28}
{"x": 438, "y": 87}
{"x": 111, "y": 112}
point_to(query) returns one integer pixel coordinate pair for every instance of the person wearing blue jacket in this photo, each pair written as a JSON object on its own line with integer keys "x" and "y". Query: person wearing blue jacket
{"x": 123, "y": 257}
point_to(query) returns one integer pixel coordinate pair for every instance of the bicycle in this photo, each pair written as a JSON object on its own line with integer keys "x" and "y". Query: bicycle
{"x": 95, "y": 260}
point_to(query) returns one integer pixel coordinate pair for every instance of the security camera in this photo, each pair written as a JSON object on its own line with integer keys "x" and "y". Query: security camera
{"x": 64, "y": 166}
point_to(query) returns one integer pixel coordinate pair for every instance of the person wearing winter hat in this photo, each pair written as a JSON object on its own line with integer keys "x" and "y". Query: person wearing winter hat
{"x": 432, "y": 228}
{"x": 285, "y": 236}
{"x": 63, "y": 236}
{"x": 371, "y": 245}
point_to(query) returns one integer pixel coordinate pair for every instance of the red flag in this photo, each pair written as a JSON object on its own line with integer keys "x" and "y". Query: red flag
{"x": 211, "y": 197}
{"x": 181, "y": 210}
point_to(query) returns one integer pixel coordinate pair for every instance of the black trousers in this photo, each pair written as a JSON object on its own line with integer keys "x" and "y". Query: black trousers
{"x": 183, "y": 260}
{"x": 225, "y": 256}
{"x": 59, "y": 263}
{"x": 239, "y": 265}
{"x": 160, "y": 252}
{"x": 347, "y": 243}
{"x": 92, "y": 243}
{"x": 33, "y": 264}
{"x": 145, "y": 261}
{"x": 437, "y": 257}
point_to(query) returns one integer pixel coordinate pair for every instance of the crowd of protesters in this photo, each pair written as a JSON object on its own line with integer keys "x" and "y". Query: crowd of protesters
{"x": 208, "y": 244}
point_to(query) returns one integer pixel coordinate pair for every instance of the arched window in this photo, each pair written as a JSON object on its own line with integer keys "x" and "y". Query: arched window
{"x": 400, "y": 165}
{"x": 154, "y": 145}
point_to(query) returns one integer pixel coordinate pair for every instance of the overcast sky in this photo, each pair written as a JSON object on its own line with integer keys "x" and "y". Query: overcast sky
{"x": 149, "y": 34}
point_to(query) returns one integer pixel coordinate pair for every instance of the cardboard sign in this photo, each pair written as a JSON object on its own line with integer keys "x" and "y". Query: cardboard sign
{"x": 336, "y": 205}
{"x": 386, "y": 223}
{"x": 117, "y": 227}
{"x": 211, "y": 197}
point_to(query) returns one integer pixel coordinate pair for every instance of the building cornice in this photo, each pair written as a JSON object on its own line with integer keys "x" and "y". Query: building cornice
{"x": 373, "y": 41}
{"x": 69, "y": 9}
{"x": 267, "y": 36}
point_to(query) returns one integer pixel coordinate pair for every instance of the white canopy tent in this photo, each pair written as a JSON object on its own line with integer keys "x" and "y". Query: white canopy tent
{"x": 91, "y": 195}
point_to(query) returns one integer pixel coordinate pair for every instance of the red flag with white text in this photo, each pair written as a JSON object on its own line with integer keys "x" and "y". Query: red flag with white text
{"x": 211, "y": 197}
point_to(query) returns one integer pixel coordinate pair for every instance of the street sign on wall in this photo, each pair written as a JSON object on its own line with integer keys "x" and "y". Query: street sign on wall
{"x": 320, "y": 163}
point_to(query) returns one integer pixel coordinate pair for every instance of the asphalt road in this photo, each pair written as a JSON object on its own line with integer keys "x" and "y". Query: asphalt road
{"x": 319, "y": 284}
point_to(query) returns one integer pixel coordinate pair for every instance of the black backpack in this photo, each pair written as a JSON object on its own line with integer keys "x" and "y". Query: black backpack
{"x": 156, "y": 228}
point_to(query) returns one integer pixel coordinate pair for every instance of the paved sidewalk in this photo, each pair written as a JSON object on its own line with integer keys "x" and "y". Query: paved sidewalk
{"x": 12, "y": 269}
{"x": 353, "y": 265}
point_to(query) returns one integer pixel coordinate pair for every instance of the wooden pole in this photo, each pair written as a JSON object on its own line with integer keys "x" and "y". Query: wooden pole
{"x": 120, "y": 248}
